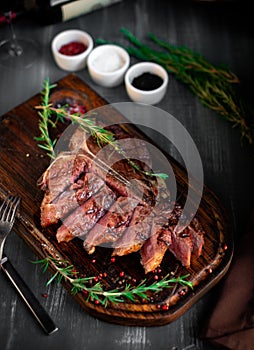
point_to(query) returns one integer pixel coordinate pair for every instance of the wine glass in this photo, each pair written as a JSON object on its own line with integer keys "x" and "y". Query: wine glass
{"x": 17, "y": 52}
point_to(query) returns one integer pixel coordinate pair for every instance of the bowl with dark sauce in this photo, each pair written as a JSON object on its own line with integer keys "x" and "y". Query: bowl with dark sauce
{"x": 146, "y": 82}
{"x": 71, "y": 48}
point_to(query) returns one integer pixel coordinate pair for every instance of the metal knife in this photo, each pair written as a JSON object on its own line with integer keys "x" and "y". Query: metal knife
{"x": 27, "y": 295}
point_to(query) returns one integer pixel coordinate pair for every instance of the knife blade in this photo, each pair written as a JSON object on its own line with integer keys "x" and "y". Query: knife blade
{"x": 27, "y": 295}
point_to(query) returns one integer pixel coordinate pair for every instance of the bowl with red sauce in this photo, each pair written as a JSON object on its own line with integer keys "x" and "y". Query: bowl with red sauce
{"x": 71, "y": 48}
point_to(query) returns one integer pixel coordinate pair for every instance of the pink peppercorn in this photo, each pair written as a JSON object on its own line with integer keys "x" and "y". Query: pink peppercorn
{"x": 165, "y": 307}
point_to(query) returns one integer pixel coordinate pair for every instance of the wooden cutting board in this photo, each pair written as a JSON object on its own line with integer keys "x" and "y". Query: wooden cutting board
{"x": 22, "y": 163}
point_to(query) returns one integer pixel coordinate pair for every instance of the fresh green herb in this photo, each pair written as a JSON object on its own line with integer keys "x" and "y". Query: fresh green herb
{"x": 49, "y": 116}
{"x": 47, "y": 113}
{"x": 46, "y": 119}
{"x": 214, "y": 86}
{"x": 66, "y": 271}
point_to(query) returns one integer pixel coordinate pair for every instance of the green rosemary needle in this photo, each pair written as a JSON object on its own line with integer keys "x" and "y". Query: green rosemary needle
{"x": 66, "y": 271}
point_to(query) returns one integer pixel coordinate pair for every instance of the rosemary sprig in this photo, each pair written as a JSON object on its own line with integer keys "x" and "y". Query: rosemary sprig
{"x": 66, "y": 271}
{"x": 46, "y": 119}
{"x": 48, "y": 113}
{"x": 214, "y": 86}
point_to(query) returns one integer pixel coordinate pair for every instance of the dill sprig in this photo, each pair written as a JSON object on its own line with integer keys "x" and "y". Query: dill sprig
{"x": 50, "y": 116}
{"x": 214, "y": 86}
{"x": 66, "y": 271}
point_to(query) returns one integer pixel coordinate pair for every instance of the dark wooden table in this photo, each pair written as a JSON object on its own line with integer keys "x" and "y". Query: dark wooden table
{"x": 222, "y": 32}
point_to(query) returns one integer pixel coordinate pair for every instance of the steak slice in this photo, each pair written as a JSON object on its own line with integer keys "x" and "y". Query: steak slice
{"x": 181, "y": 246}
{"x": 70, "y": 199}
{"x": 197, "y": 235}
{"x": 111, "y": 226}
{"x": 187, "y": 243}
{"x": 62, "y": 172}
{"x": 137, "y": 232}
{"x": 82, "y": 219}
{"x": 145, "y": 222}
{"x": 154, "y": 249}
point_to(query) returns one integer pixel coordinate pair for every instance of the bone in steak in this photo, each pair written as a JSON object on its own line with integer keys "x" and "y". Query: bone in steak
{"x": 107, "y": 201}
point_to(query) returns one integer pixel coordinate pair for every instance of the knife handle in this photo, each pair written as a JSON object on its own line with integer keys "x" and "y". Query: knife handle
{"x": 31, "y": 301}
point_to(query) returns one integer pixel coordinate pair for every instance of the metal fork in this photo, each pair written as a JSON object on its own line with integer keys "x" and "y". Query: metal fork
{"x": 7, "y": 217}
{"x": 8, "y": 211}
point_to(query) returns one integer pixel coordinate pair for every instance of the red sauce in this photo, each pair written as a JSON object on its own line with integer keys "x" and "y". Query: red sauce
{"x": 73, "y": 48}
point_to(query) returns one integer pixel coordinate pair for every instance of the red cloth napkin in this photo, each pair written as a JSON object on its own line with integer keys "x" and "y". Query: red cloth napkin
{"x": 231, "y": 324}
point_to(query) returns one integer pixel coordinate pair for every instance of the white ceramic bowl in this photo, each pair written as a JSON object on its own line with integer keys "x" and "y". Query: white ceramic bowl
{"x": 76, "y": 62}
{"x": 142, "y": 96}
{"x": 107, "y": 65}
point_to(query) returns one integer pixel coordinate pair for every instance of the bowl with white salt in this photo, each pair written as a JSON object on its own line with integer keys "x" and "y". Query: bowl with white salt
{"x": 107, "y": 65}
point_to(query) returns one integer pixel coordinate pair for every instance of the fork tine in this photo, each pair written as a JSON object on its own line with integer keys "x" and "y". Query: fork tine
{"x": 8, "y": 208}
{"x": 13, "y": 209}
{"x": 4, "y": 207}
{"x": 1, "y": 208}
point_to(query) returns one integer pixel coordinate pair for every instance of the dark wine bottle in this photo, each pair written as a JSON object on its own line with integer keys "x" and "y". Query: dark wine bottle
{"x": 53, "y": 11}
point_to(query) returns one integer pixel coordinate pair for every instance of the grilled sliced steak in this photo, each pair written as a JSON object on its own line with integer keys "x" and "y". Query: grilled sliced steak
{"x": 111, "y": 201}
{"x": 111, "y": 226}
{"x": 82, "y": 219}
